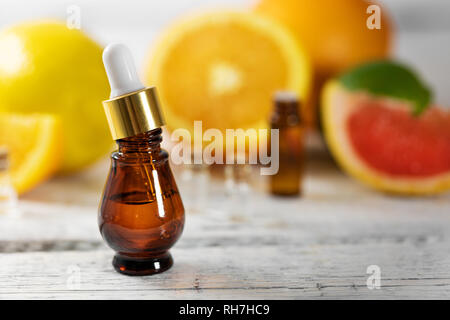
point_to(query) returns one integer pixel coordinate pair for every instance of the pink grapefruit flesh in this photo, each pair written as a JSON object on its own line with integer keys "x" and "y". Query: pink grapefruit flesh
{"x": 380, "y": 142}
{"x": 400, "y": 144}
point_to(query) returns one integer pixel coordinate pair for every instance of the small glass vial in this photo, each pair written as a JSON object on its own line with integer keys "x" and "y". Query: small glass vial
{"x": 8, "y": 195}
{"x": 141, "y": 214}
{"x": 285, "y": 118}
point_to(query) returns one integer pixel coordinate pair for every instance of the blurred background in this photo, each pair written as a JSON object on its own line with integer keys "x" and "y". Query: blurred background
{"x": 422, "y": 27}
{"x": 414, "y": 32}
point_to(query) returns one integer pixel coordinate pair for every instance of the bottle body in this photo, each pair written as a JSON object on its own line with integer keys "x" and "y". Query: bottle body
{"x": 285, "y": 118}
{"x": 141, "y": 215}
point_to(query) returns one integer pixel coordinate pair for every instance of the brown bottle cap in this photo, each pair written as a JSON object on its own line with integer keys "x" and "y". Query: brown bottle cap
{"x": 286, "y": 102}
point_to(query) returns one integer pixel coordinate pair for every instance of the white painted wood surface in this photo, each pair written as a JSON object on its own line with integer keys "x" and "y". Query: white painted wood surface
{"x": 318, "y": 246}
{"x": 255, "y": 246}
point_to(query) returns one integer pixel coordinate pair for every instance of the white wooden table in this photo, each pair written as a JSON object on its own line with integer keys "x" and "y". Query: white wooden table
{"x": 318, "y": 246}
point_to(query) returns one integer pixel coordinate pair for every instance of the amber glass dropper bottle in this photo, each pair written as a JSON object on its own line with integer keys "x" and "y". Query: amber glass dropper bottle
{"x": 141, "y": 214}
{"x": 285, "y": 118}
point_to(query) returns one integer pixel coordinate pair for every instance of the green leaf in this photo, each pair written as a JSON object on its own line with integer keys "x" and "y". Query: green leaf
{"x": 391, "y": 79}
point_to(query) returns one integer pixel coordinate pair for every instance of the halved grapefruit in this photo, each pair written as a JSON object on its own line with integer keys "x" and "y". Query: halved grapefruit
{"x": 381, "y": 130}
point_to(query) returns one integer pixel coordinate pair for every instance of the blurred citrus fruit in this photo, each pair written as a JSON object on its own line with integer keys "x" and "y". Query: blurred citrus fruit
{"x": 223, "y": 68}
{"x": 381, "y": 129}
{"x": 334, "y": 33}
{"x": 34, "y": 145}
{"x": 47, "y": 68}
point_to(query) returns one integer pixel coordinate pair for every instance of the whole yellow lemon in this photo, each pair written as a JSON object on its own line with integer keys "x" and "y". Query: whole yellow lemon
{"x": 46, "y": 67}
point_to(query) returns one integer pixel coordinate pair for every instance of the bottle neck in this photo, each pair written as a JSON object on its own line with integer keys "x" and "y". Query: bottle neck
{"x": 148, "y": 142}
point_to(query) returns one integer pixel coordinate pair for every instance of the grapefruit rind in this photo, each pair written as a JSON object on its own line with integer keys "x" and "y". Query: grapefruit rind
{"x": 338, "y": 104}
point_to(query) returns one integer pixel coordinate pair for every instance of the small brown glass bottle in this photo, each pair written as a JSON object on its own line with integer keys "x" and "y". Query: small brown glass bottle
{"x": 141, "y": 214}
{"x": 285, "y": 118}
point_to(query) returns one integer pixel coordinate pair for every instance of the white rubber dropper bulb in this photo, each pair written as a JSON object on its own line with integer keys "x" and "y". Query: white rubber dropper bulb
{"x": 122, "y": 74}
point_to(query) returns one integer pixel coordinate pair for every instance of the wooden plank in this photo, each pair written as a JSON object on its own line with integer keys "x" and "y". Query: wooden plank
{"x": 238, "y": 246}
{"x": 291, "y": 271}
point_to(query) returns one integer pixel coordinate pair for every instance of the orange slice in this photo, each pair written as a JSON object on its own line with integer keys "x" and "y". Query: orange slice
{"x": 223, "y": 68}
